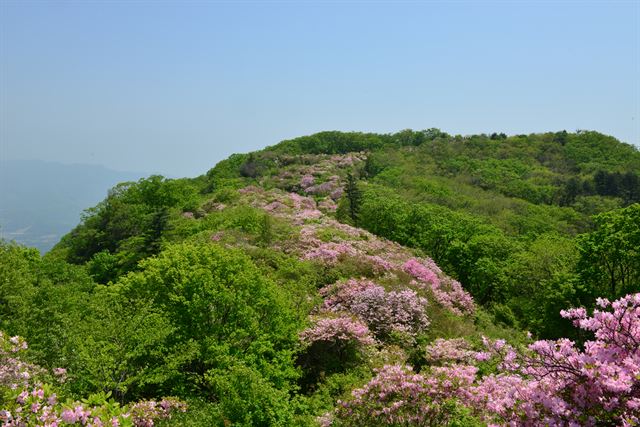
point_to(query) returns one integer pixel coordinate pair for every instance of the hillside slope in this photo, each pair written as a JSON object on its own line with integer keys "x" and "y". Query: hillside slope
{"x": 297, "y": 286}
{"x": 500, "y": 214}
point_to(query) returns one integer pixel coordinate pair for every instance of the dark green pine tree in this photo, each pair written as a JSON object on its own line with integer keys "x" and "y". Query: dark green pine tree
{"x": 158, "y": 225}
{"x": 354, "y": 197}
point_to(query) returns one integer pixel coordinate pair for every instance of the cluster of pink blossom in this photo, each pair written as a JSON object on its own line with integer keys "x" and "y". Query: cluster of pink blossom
{"x": 347, "y": 160}
{"x": 32, "y": 403}
{"x": 319, "y": 175}
{"x": 307, "y": 181}
{"x": 309, "y": 186}
{"x": 399, "y": 396}
{"x": 448, "y": 292}
{"x": 402, "y": 313}
{"x": 39, "y": 406}
{"x": 553, "y": 383}
{"x": 339, "y": 329}
{"x": 355, "y": 243}
{"x": 447, "y": 351}
{"x": 337, "y": 193}
{"x": 275, "y": 206}
{"x": 327, "y": 187}
{"x": 145, "y": 412}
{"x": 301, "y": 202}
{"x": 306, "y": 214}
{"x": 14, "y": 372}
{"x": 328, "y": 205}
{"x": 604, "y": 377}
{"x": 292, "y": 206}
{"x": 330, "y": 252}
{"x": 560, "y": 383}
{"x": 380, "y": 263}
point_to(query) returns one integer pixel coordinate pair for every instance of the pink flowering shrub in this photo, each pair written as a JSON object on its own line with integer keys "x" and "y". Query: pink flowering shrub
{"x": 447, "y": 292}
{"x": 337, "y": 193}
{"x": 301, "y": 202}
{"x": 27, "y": 401}
{"x": 420, "y": 272}
{"x": 553, "y": 383}
{"x": 562, "y": 384}
{"x": 275, "y": 206}
{"x": 146, "y": 411}
{"x": 333, "y": 345}
{"x": 398, "y": 396}
{"x": 400, "y": 313}
{"x": 328, "y": 205}
{"x": 14, "y": 372}
{"x": 336, "y": 331}
{"x": 40, "y": 407}
{"x": 380, "y": 264}
{"x": 307, "y": 181}
{"x": 601, "y": 382}
{"x": 446, "y": 351}
{"x": 306, "y": 214}
{"x": 330, "y": 252}
{"x": 348, "y": 241}
{"x": 324, "y": 188}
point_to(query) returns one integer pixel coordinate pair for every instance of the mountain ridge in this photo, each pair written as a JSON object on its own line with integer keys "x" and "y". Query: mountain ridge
{"x": 388, "y": 279}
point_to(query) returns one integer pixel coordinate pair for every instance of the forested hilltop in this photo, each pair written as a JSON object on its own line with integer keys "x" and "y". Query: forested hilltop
{"x": 344, "y": 279}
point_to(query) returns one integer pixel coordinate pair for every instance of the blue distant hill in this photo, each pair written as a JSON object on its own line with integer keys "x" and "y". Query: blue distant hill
{"x": 42, "y": 201}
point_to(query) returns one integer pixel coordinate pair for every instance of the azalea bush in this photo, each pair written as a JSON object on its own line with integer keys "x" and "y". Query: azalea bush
{"x": 549, "y": 383}
{"x": 40, "y": 406}
{"x": 448, "y": 292}
{"x": 26, "y": 399}
{"x": 400, "y": 397}
{"x": 396, "y": 313}
{"x": 333, "y": 345}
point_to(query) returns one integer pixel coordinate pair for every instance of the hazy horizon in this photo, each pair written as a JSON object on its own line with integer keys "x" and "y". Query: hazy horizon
{"x": 40, "y": 201}
{"x": 174, "y": 88}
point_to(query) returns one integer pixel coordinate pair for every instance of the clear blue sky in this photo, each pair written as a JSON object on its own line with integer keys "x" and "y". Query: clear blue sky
{"x": 174, "y": 87}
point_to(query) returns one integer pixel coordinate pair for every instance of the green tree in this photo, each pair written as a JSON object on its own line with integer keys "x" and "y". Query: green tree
{"x": 158, "y": 226}
{"x": 122, "y": 346}
{"x": 609, "y": 263}
{"x": 354, "y": 197}
{"x": 222, "y": 308}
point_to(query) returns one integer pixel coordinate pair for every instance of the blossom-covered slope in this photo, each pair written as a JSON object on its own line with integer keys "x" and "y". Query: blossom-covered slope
{"x": 543, "y": 383}
{"x": 251, "y": 297}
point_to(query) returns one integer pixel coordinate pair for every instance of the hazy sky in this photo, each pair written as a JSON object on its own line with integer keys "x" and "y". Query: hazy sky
{"x": 174, "y": 87}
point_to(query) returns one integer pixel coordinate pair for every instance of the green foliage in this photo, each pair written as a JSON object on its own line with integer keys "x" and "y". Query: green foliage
{"x": 122, "y": 347}
{"x": 610, "y": 255}
{"x": 38, "y": 299}
{"x": 129, "y": 225}
{"x": 226, "y": 172}
{"x": 18, "y": 278}
{"x": 245, "y": 398}
{"x": 331, "y": 142}
{"x": 222, "y": 307}
{"x": 201, "y": 413}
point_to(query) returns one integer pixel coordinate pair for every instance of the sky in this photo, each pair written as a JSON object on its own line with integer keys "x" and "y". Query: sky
{"x": 174, "y": 87}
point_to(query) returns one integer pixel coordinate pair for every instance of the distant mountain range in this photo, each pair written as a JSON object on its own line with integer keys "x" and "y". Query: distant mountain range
{"x": 42, "y": 201}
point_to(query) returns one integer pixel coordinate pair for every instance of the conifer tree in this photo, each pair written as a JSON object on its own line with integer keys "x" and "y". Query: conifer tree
{"x": 354, "y": 197}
